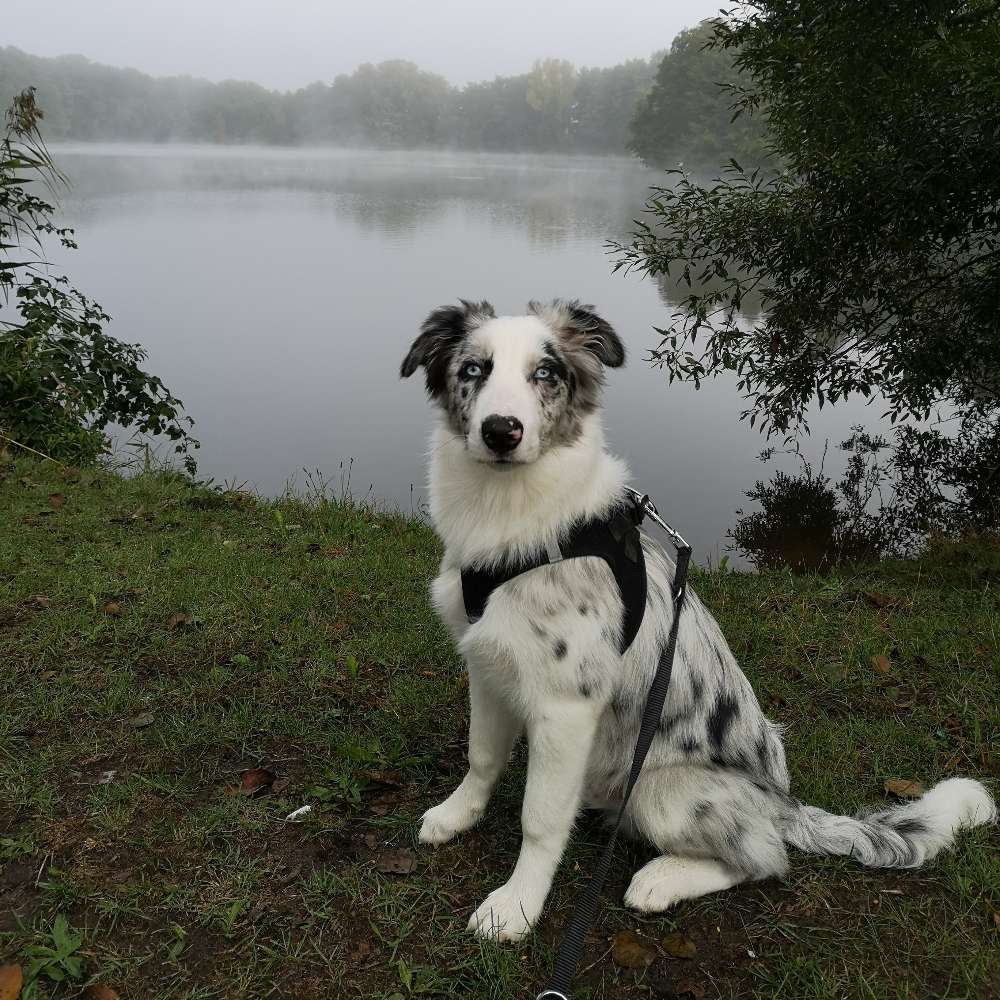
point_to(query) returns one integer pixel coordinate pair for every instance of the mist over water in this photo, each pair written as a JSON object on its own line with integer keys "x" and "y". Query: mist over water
{"x": 277, "y": 291}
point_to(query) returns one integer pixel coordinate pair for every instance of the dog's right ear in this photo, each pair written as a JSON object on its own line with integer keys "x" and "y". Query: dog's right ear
{"x": 440, "y": 334}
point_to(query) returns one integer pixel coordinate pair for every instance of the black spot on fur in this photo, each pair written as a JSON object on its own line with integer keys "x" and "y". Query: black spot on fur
{"x": 584, "y": 610}
{"x": 697, "y": 689}
{"x": 910, "y": 827}
{"x": 618, "y": 706}
{"x": 726, "y": 710}
{"x": 666, "y": 725}
{"x": 585, "y": 690}
{"x": 703, "y": 810}
{"x": 560, "y": 649}
{"x": 691, "y": 746}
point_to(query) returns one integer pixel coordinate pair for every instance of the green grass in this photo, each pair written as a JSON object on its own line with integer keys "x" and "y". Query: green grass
{"x": 178, "y": 637}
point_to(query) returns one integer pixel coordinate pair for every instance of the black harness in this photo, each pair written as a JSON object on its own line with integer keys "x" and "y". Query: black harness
{"x": 614, "y": 537}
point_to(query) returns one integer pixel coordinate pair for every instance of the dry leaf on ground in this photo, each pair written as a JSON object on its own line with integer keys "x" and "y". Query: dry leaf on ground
{"x": 399, "y": 862}
{"x": 99, "y": 992}
{"x": 881, "y": 663}
{"x": 692, "y": 990}
{"x": 632, "y": 952}
{"x": 904, "y": 788}
{"x": 142, "y": 720}
{"x": 361, "y": 950}
{"x": 178, "y": 619}
{"x": 114, "y": 609}
{"x": 679, "y": 946}
{"x": 256, "y": 781}
{"x": 878, "y": 600}
{"x": 56, "y": 500}
{"x": 11, "y": 980}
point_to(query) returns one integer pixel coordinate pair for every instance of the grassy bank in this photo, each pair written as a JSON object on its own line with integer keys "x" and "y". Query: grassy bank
{"x": 158, "y": 641}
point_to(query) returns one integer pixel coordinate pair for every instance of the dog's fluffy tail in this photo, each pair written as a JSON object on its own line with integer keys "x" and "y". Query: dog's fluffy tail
{"x": 904, "y": 836}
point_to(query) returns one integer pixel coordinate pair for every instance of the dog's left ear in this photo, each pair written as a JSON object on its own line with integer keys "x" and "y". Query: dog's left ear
{"x": 440, "y": 333}
{"x": 580, "y": 328}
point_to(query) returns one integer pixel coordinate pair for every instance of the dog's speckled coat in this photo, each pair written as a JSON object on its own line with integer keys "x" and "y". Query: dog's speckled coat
{"x": 543, "y": 661}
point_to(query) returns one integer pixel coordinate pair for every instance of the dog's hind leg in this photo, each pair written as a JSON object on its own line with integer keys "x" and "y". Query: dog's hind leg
{"x": 718, "y": 827}
{"x": 667, "y": 880}
{"x": 493, "y": 730}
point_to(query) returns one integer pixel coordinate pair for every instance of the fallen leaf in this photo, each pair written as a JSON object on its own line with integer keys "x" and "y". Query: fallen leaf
{"x": 996, "y": 918}
{"x": 256, "y": 781}
{"x": 297, "y": 815}
{"x": 40, "y": 600}
{"x": 361, "y": 950}
{"x": 679, "y": 946}
{"x": 177, "y": 619}
{"x": 878, "y": 600}
{"x": 56, "y": 500}
{"x": 394, "y": 779}
{"x": 881, "y": 663}
{"x": 142, "y": 720}
{"x": 692, "y": 990}
{"x": 99, "y": 992}
{"x": 11, "y": 980}
{"x": 114, "y": 609}
{"x": 399, "y": 862}
{"x": 904, "y": 788}
{"x": 631, "y": 952}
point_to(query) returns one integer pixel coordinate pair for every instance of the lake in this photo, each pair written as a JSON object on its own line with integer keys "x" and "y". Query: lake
{"x": 277, "y": 291}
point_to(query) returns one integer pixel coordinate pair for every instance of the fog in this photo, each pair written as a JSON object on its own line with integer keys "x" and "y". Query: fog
{"x": 291, "y": 44}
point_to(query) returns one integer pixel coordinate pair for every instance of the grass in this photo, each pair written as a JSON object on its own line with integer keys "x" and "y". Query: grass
{"x": 158, "y": 640}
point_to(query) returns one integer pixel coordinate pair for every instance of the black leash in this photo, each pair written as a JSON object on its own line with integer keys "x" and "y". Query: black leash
{"x": 571, "y": 949}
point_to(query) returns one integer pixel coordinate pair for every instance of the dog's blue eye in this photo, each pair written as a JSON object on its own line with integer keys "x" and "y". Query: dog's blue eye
{"x": 472, "y": 370}
{"x": 543, "y": 372}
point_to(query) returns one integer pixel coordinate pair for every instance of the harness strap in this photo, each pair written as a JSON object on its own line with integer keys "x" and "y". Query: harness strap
{"x": 613, "y": 538}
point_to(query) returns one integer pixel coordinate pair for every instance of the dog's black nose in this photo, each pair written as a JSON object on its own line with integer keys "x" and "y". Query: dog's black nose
{"x": 502, "y": 434}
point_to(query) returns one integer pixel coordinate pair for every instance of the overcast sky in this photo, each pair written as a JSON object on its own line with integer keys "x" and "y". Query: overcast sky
{"x": 288, "y": 43}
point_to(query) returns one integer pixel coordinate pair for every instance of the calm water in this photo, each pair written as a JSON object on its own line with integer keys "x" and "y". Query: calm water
{"x": 277, "y": 292}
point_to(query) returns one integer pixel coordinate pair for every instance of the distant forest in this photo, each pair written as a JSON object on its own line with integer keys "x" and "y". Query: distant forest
{"x": 666, "y": 109}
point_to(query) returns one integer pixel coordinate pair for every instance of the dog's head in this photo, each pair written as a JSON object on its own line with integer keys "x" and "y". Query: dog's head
{"x": 515, "y": 386}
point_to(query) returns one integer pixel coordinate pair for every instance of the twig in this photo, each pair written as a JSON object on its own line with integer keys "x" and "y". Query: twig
{"x": 34, "y": 451}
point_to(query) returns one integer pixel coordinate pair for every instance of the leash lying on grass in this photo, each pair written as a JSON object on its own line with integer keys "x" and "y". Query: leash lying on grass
{"x": 571, "y": 948}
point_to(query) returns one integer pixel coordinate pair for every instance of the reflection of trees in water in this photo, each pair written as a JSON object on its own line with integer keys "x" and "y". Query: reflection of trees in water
{"x": 552, "y": 199}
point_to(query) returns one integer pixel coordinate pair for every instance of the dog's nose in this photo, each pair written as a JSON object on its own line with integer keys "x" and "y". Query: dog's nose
{"x": 502, "y": 434}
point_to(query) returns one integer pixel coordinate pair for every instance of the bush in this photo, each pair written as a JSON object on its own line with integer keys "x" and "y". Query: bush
{"x": 62, "y": 378}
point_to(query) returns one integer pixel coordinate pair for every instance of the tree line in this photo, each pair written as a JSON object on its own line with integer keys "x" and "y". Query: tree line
{"x": 667, "y": 108}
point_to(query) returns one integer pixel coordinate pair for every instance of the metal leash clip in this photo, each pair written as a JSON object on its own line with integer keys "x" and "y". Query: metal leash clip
{"x": 646, "y": 505}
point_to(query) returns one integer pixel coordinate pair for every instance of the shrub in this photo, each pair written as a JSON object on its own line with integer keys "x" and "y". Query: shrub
{"x": 63, "y": 380}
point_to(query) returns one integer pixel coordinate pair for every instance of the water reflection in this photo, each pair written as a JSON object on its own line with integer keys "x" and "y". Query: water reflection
{"x": 277, "y": 291}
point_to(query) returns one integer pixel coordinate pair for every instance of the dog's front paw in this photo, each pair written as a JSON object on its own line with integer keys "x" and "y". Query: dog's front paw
{"x": 505, "y": 915}
{"x": 443, "y": 822}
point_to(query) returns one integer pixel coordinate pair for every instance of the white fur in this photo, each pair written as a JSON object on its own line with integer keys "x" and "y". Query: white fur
{"x": 543, "y": 662}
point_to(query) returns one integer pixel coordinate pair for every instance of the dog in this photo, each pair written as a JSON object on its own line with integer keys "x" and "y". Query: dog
{"x": 517, "y": 458}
